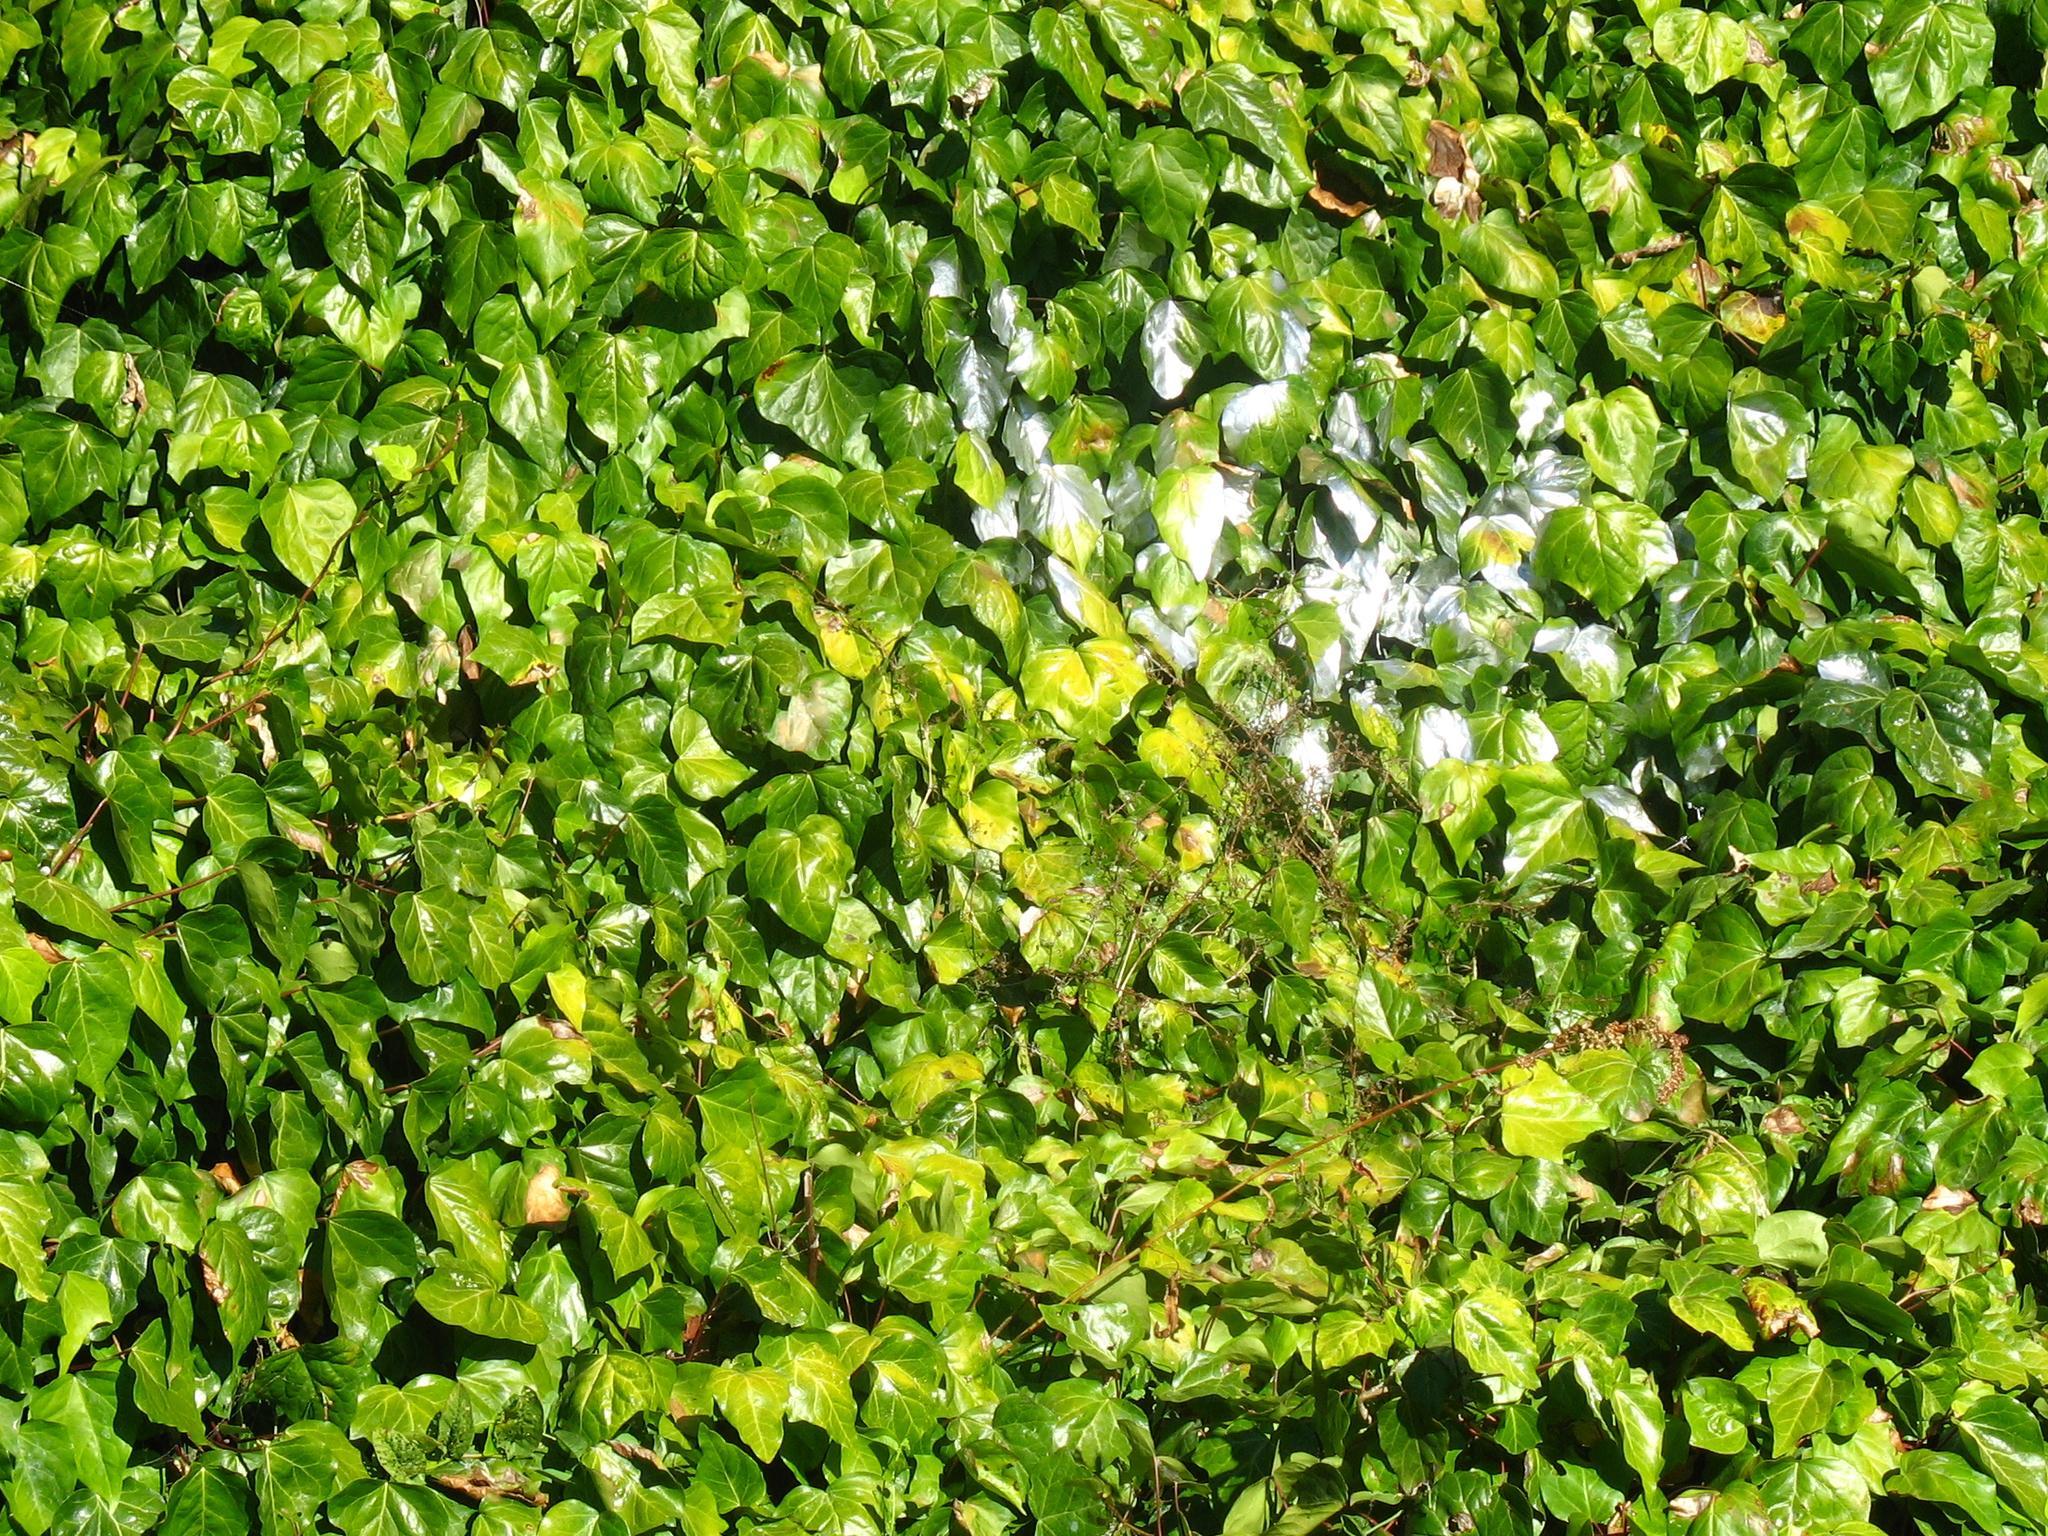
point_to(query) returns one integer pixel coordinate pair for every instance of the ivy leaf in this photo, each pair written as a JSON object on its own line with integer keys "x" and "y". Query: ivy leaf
{"x": 614, "y": 382}
{"x": 1729, "y": 972}
{"x": 1801, "y": 1396}
{"x": 806, "y": 394}
{"x": 24, "y": 1215}
{"x": 1767, "y": 438}
{"x": 347, "y": 103}
{"x": 478, "y": 1309}
{"x": 306, "y": 524}
{"x": 365, "y": 1250}
{"x": 360, "y": 230}
{"x": 1604, "y": 549}
{"x": 235, "y": 1283}
{"x": 801, "y": 872}
{"x": 1060, "y": 40}
{"x": 497, "y": 63}
{"x": 1165, "y": 174}
{"x": 670, "y": 845}
{"x": 1618, "y": 433}
{"x": 1228, "y": 98}
{"x": 64, "y": 462}
{"x": 208, "y": 1501}
{"x": 1493, "y": 1332}
{"x": 2005, "y": 1440}
{"x": 298, "y": 50}
{"x": 1543, "y": 1115}
{"x": 376, "y": 1507}
{"x": 1473, "y": 411}
{"x": 753, "y": 1402}
{"x": 1705, "y": 47}
{"x": 1924, "y": 55}
{"x": 1942, "y": 1477}
{"x": 1832, "y": 34}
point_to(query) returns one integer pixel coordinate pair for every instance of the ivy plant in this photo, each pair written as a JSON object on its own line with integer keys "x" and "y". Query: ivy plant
{"x": 1075, "y": 767}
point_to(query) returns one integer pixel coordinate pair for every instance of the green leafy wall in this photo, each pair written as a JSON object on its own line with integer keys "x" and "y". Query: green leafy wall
{"x": 933, "y": 766}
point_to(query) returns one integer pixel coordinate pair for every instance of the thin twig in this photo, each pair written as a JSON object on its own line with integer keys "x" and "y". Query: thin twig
{"x": 70, "y": 850}
{"x": 305, "y": 598}
{"x": 1118, "y": 1262}
{"x": 189, "y": 885}
{"x": 231, "y": 711}
{"x": 419, "y": 810}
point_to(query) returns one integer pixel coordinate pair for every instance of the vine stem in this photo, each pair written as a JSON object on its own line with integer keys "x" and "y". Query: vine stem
{"x": 77, "y": 841}
{"x": 189, "y": 885}
{"x": 383, "y": 498}
{"x": 71, "y": 848}
{"x": 255, "y": 659}
{"x": 1118, "y": 1262}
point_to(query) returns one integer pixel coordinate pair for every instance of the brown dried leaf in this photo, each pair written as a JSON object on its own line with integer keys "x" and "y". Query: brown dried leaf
{"x": 135, "y": 393}
{"x": 305, "y": 837}
{"x": 1778, "y": 1310}
{"x": 477, "y": 1483}
{"x": 546, "y": 1204}
{"x": 1784, "y": 1122}
{"x": 1330, "y": 198}
{"x": 1456, "y": 201}
{"x": 359, "y": 1174}
{"x": 1447, "y": 155}
{"x": 1661, "y": 246}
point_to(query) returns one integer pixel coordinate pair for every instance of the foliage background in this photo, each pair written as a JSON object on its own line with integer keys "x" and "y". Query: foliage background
{"x": 1215, "y": 767}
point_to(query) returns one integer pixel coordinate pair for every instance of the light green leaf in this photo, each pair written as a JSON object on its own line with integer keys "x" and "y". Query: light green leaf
{"x": 1497, "y": 1337}
{"x": 1705, "y": 47}
{"x": 1542, "y": 1115}
{"x": 753, "y": 1401}
{"x": 1925, "y": 54}
{"x": 1605, "y": 550}
{"x": 307, "y": 523}
{"x": 1618, "y": 434}
{"x": 801, "y": 872}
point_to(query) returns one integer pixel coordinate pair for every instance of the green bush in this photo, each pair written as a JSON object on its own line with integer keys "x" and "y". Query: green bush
{"x": 1119, "y": 767}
